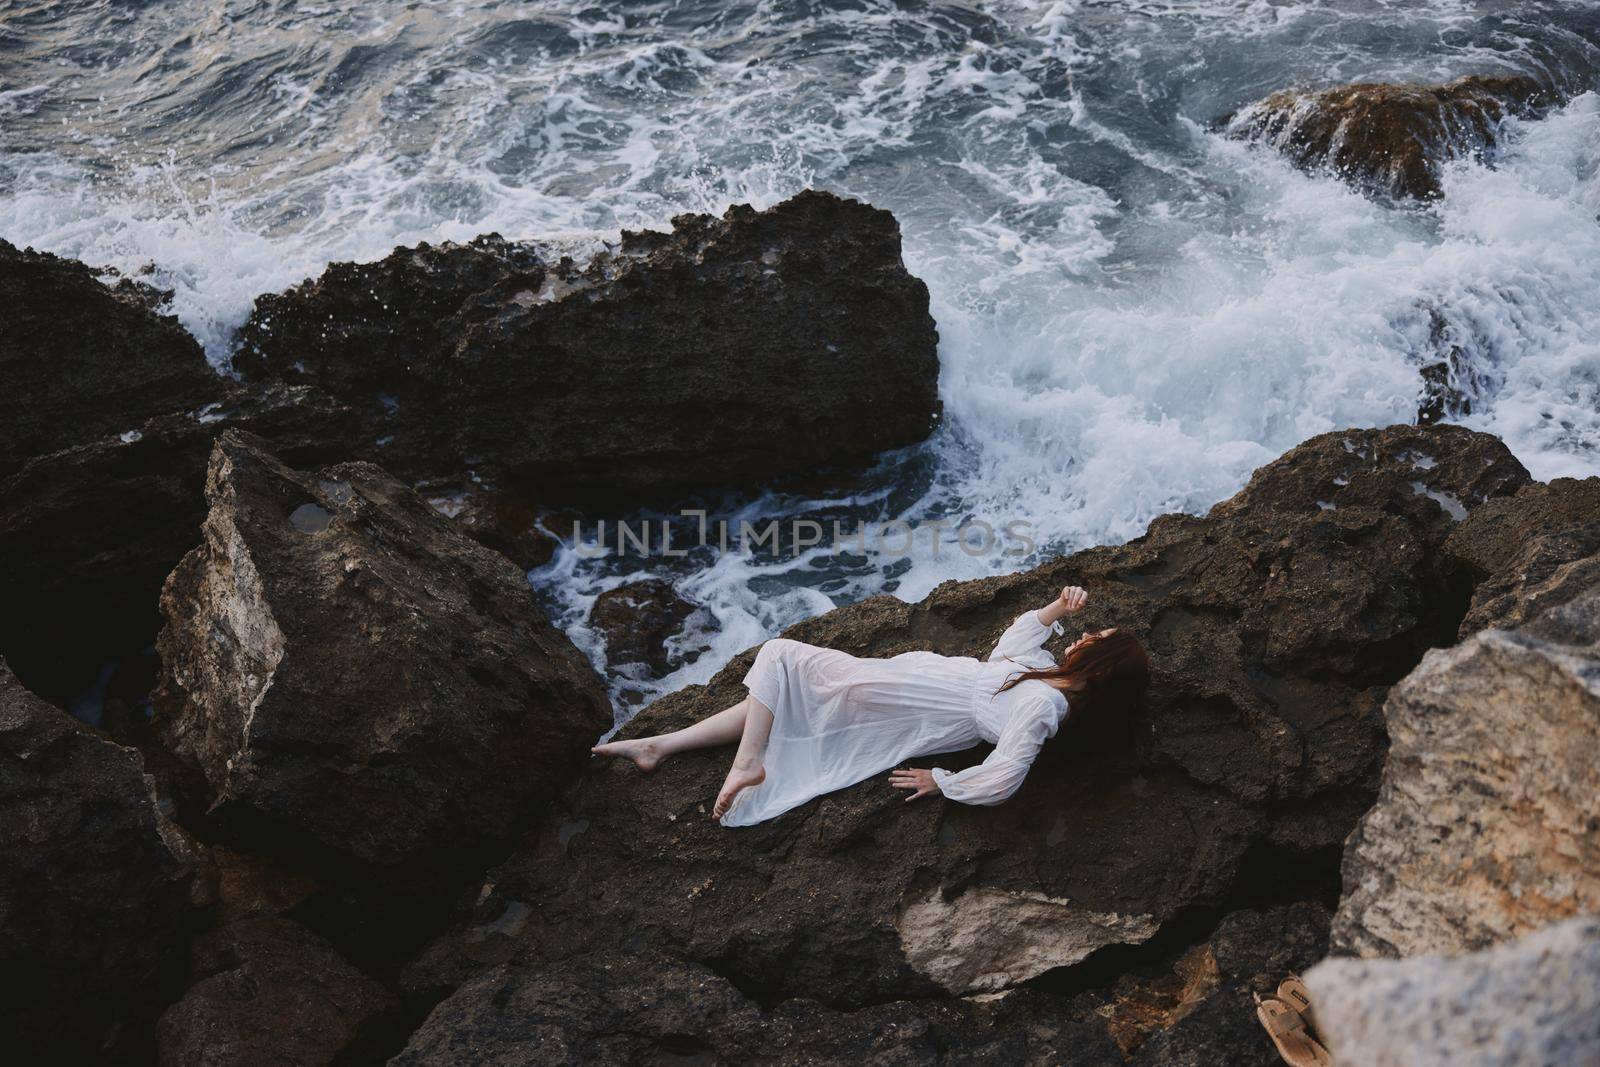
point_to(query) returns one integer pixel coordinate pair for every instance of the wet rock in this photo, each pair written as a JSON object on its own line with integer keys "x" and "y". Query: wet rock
{"x": 637, "y": 620}
{"x": 1531, "y": 553}
{"x": 1276, "y": 626}
{"x": 83, "y": 360}
{"x": 1533, "y": 1002}
{"x": 507, "y": 523}
{"x": 727, "y": 351}
{"x": 1391, "y": 138}
{"x": 269, "y": 992}
{"x": 89, "y": 533}
{"x": 1431, "y": 476}
{"x": 1485, "y": 827}
{"x": 1450, "y": 383}
{"x": 356, "y": 684}
{"x": 648, "y": 1008}
{"x": 92, "y": 898}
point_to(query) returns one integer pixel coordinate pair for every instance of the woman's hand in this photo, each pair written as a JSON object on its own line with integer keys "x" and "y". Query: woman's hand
{"x": 916, "y": 780}
{"x": 1072, "y": 598}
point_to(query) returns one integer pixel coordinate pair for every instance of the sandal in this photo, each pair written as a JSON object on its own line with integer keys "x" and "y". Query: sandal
{"x": 1287, "y": 1028}
{"x": 1293, "y": 992}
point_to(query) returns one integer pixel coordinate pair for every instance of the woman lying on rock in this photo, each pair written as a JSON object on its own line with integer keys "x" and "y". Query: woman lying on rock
{"x": 817, "y": 719}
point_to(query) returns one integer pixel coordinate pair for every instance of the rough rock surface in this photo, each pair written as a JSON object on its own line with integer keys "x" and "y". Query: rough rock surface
{"x": 637, "y": 620}
{"x": 1486, "y": 826}
{"x": 268, "y": 993}
{"x": 89, "y": 533}
{"x": 92, "y": 898}
{"x": 1391, "y": 138}
{"x": 1250, "y": 951}
{"x": 1532, "y": 1003}
{"x": 507, "y": 523}
{"x": 70, "y": 343}
{"x": 650, "y": 1008}
{"x": 730, "y": 350}
{"x": 1451, "y": 383}
{"x": 1533, "y": 552}
{"x": 1276, "y": 625}
{"x": 354, "y": 679}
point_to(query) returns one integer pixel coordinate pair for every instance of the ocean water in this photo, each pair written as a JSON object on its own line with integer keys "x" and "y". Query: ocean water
{"x": 1134, "y": 311}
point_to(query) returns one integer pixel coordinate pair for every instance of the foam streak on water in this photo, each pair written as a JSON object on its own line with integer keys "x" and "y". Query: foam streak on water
{"x": 1134, "y": 311}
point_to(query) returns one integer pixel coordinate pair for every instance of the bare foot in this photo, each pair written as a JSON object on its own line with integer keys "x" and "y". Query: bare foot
{"x": 644, "y": 752}
{"x": 739, "y": 779}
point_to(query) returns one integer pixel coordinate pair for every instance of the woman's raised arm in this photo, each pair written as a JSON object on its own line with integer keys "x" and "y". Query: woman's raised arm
{"x": 1072, "y": 598}
{"x": 1023, "y": 638}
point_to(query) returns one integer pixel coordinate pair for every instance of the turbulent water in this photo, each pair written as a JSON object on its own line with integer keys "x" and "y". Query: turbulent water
{"x": 1134, "y": 311}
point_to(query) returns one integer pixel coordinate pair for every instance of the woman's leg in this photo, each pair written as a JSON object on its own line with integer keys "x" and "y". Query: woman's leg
{"x": 723, "y": 728}
{"x": 747, "y": 769}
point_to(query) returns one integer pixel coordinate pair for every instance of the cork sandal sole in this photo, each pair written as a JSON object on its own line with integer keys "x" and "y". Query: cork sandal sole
{"x": 1287, "y": 1028}
{"x": 1293, "y": 992}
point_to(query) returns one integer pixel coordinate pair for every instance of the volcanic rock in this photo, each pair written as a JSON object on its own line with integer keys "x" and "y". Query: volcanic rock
{"x": 727, "y": 351}
{"x": 507, "y": 523}
{"x": 1530, "y": 553}
{"x": 648, "y": 1008}
{"x": 269, "y": 993}
{"x": 1276, "y": 625}
{"x": 637, "y": 620}
{"x": 356, "y": 684}
{"x": 83, "y": 360}
{"x": 1214, "y": 1022}
{"x": 1391, "y": 138}
{"x": 92, "y": 897}
{"x": 89, "y": 533}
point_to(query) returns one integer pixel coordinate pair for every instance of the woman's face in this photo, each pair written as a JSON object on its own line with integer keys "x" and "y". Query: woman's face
{"x": 1092, "y": 635}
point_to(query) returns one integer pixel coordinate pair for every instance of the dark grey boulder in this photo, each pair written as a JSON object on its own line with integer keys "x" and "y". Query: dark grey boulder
{"x": 727, "y": 351}
{"x": 269, "y": 993}
{"x": 93, "y": 898}
{"x": 355, "y": 683}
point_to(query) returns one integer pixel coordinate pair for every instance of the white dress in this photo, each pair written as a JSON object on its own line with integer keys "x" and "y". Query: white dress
{"x": 838, "y": 719}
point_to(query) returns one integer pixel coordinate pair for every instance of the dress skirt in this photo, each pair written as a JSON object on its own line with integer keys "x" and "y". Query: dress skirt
{"x": 839, "y": 719}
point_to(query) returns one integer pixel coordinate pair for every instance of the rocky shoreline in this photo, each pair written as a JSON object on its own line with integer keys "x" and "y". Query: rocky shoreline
{"x": 360, "y": 823}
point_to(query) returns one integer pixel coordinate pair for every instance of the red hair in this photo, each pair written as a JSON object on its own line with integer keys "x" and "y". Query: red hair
{"x": 1111, "y": 666}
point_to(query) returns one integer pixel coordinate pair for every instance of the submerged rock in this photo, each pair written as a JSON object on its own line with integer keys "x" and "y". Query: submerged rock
{"x": 638, "y": 620}
{"x": 1485, "y": 827}
{"x": 355, "y": 682}
{"x": 1532, "y": 1003}
{"x": 1450, "y": 382}
{"x": 92, "y": 897}
{"x": 1276, "y": 625}
{"x": 727, "y": 351}
{"x": 1391, "y": 138}
{"x": 269, "y": 993}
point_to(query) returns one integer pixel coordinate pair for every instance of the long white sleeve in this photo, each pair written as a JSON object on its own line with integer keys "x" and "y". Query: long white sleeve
{"x": 1023, "y": 639}
{"x": 997, "y": 777}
